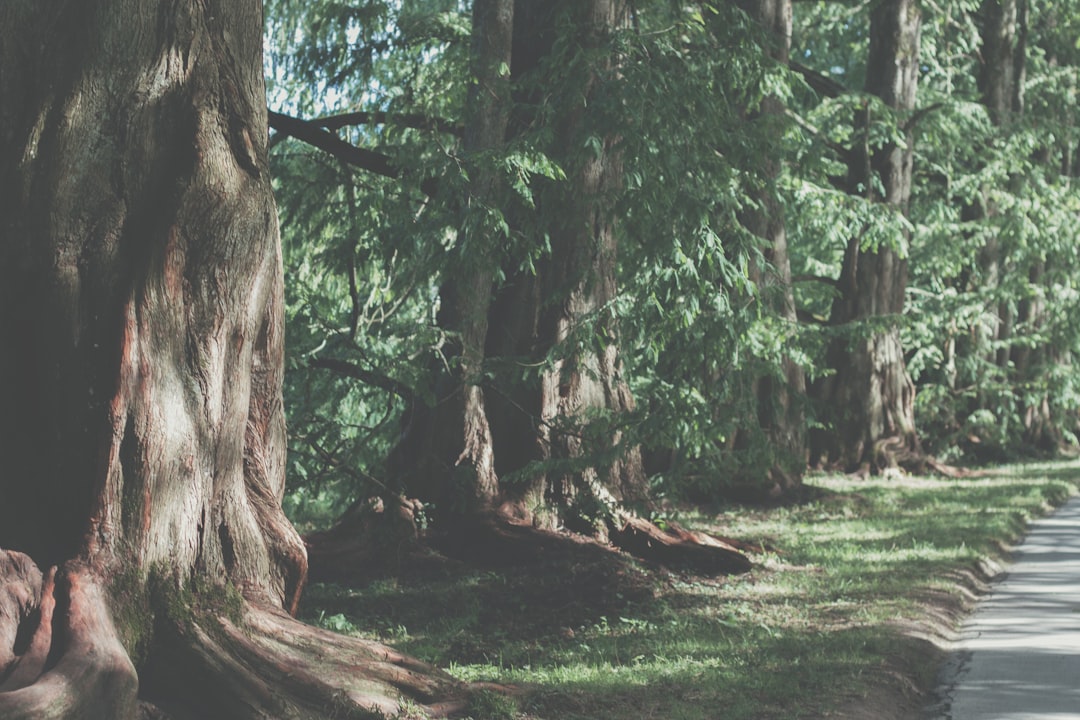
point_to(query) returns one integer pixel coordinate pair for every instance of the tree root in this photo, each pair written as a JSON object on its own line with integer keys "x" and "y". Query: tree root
{"x": 61, "y": 658}
{"x": 267, "y": 664}
{"x": 677, "y": 547}
{"x": 891, "y": 454}
{"x": 497, "y": 539}
{"x": 373, "y": 538}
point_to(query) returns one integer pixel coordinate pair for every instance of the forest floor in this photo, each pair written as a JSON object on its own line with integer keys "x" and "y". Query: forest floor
{"x": 856, "y": 594}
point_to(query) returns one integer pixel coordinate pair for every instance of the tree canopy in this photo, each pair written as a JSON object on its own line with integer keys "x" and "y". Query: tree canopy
{"x": 711, "y": 124}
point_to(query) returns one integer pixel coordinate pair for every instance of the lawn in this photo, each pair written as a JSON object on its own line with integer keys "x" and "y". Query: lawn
{"x": 854, "y": 593}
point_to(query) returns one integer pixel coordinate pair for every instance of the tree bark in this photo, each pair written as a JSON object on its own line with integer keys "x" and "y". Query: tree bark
{"x": 779, "y": 397}
{"x": 140, "y": 411}
{"x": 452, "y": 457}
{"x": 870, "y": 398}
{"x": 558, "y": 453}
{"x": 1001, "y": 80}
{"x": 536, "y": 314}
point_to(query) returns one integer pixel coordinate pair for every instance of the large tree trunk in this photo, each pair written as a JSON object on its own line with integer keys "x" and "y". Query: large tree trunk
{"x": 448, "y": 456}
{"x": 559, "y": 456}
{"x": 779, "y": 397}
{"x": 870, "y": 398}
{"x": 536, "y": 314}
{"x": 1002, "y": 72}
{"x": 567, "y": 301}
{"x": 141, "y": 418}
{"x": 1001, "y": 79}
{"x": 1002, "y": 75}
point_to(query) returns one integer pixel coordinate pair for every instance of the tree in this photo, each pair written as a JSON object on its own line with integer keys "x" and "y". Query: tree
{"x": 870, "y": 396}
{"x": 779, "y": 396}
{"x": 141, "y": 412}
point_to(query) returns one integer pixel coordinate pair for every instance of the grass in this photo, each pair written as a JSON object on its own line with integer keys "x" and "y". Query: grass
{"x": 821, "y": 620}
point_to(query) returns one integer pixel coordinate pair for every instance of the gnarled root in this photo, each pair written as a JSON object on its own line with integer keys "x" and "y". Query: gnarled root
{"x": 61, "y": 658}
{"x": 266, "y": 664}
{"x": 677, "y": 547}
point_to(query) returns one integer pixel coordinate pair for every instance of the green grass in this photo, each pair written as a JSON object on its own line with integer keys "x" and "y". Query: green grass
{"x": 815, "y": 624}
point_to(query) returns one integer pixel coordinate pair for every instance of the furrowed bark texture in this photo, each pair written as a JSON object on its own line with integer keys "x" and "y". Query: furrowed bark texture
{"x": 561, "y": 312}
{"x": 533, "y": 313}
{"x": 454, "y": 437}
{"x": 142, "y": 285}
{"x": 551, "y": 467}
{"x": 1002, "y": 72}
{"x": 779, "y": 397}
{"x": 141, "y": 309}
{"x": 1002, "y": 75}
{"x": 870, "y": 399}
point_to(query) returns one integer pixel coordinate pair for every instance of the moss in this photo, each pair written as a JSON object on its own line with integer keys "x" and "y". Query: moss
{"x": 132, "y": 613}
{"x": 196, "y": 601}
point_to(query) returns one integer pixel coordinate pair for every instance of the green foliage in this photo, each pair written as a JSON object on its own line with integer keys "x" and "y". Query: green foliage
{"x": 490, "y": 705}
{"x": 990, "y": 237}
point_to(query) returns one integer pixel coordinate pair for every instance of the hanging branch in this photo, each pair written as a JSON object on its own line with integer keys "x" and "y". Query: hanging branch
{"x": 410, "y": 120}
{"x": 316, "y": 136}
{"x": 348, "y": 369}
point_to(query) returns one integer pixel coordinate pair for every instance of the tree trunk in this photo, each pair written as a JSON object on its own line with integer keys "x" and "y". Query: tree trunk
{"x": 452, "y": 457}
{"x": 558, "y": 453}
{"x": 870, "y": 398}
{"x": 1001, "y": 82}
{"x": 779, "y": 397}
{"x": 536, "y": 314}
{"x": 141, "y": 418}
{"x": 1002, "y": 75}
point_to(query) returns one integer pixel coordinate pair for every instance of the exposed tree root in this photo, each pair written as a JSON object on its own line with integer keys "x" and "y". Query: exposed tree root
{"x": 373, "y": 538}
{"x": 265, "y": 664}
{"x": 62, "y": 658}
{"x": 678, "y": 547}
{"x": 362, "y": 544}
{"x": 894, "y": 453}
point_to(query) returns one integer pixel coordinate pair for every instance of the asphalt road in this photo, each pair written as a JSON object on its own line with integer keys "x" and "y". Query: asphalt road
{"x": 1019, "y": 653}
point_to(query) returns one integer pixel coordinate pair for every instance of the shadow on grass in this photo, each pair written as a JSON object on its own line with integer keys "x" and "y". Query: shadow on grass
{"x": 814, "y": 623}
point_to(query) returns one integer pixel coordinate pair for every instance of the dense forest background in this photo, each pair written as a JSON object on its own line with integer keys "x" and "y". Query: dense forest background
{"x": 669, "y": 249}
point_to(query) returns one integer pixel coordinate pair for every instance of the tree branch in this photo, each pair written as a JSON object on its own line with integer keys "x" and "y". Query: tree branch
{"x": 312, "y": 134}
{"x": 921, "y": 113}
{"x": 815, "y": 278}
{"x": 316, "y": 136}
{"x": 821, "y": 83}
{"x": 348, "y": 369}
{"x": 411, "y": 120}
{"x": 810, "y": 319}
{"x": 846, "y": 154}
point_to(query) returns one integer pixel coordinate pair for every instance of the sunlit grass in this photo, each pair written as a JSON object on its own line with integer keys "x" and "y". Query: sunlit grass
{"x": 826, "y": 608}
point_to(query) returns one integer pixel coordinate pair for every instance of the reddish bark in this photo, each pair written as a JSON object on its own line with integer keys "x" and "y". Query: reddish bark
{"x": 140, "y": 410}
{"x": 869, "y": 400}
{"x": 73, "y": 666}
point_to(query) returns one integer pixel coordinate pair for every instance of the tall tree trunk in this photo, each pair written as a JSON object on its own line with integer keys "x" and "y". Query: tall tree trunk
{"x": 558, "y": 454}
{"x": 1002, "y": 75}
{"x": 535, "y": 314}
{"x": 141, "y": 416}
{"x": 779, "y": 397}
{"x": 571, "y": 323}
{"x": 451, "y": 458}
{"x": 870, "y": 396}
{"x": 1001, "y": 81}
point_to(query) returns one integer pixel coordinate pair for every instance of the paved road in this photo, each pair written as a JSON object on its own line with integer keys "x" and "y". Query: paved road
{"x": 1019, "y": 656}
